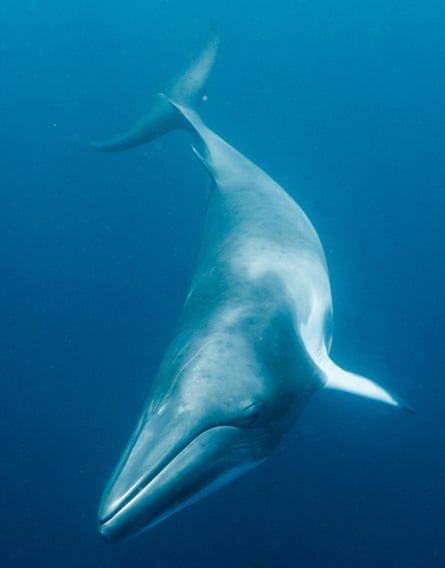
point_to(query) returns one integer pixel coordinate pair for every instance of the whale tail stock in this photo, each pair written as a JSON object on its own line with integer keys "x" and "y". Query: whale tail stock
{"x": 186, "y": 90}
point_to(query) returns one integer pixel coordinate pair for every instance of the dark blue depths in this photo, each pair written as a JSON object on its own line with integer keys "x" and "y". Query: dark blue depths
{"x": 342, "y": 102}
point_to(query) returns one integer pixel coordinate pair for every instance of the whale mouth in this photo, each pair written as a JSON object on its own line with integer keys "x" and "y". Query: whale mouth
{"x": 142, "y": 484}
{"x": 174, "y": 483}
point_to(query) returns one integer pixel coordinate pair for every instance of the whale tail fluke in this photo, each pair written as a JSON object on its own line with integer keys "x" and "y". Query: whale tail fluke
{"x": 339, "y": 379}
{"x": 186, "y": 89}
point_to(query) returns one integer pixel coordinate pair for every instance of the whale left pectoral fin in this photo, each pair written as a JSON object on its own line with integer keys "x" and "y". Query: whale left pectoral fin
{"x": 339, "y": 379}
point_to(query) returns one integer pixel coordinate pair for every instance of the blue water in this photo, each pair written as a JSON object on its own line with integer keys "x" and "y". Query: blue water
{"x": 343, "y": 104}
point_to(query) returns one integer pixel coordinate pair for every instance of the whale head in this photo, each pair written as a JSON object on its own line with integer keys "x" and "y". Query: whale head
{"x": 217, "y": 408}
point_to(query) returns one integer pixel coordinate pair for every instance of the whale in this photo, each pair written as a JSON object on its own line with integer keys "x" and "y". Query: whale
{"x": 252, "y": 343}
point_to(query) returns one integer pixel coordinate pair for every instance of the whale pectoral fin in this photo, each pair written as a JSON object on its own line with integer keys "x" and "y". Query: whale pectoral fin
{"x": 339, "y": 379}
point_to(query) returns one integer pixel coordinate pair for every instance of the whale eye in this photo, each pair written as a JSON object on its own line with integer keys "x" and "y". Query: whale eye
{"x": 250, "y": 414}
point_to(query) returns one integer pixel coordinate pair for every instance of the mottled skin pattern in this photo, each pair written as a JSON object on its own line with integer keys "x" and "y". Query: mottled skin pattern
{"x": 253, "y": 341}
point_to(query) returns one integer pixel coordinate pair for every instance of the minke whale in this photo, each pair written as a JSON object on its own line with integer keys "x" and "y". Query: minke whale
{"x": 252, "y": 344}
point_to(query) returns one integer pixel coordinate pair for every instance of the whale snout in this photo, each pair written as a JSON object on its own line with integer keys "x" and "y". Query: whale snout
{"x": 149, "y": 485}
{"x": 107, "y": 533}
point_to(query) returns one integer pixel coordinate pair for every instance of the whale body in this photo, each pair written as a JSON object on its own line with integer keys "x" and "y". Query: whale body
{"x": 252, "y": 344}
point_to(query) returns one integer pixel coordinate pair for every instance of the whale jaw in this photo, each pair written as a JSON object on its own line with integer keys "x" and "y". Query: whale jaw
{"x": 138, "y": 499}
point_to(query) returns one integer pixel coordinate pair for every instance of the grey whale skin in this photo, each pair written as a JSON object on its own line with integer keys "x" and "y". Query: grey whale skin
{"x": 252, "y": 344}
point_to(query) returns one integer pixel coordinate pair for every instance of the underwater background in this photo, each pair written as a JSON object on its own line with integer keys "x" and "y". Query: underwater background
{"x": 342, "y": 102}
